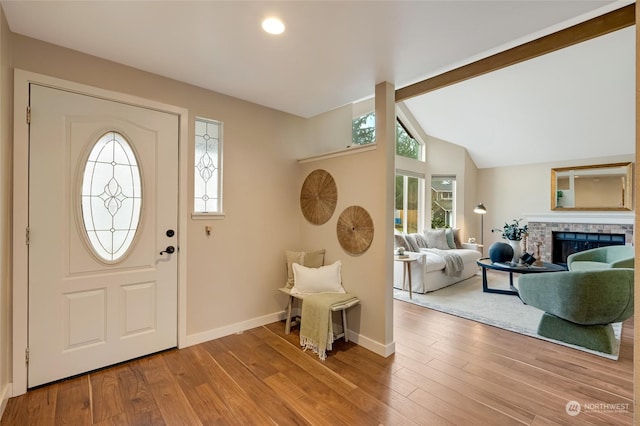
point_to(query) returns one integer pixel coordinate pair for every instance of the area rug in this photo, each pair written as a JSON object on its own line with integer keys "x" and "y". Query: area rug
{"x": 466, "y": 300}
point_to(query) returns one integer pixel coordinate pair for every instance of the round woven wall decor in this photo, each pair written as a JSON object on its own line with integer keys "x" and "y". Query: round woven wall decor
{"x": 318, "y": 197}
{"x": 355, "y": 230}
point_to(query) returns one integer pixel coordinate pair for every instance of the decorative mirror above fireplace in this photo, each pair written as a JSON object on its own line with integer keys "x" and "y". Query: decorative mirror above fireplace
{"x": 597, "y": 187}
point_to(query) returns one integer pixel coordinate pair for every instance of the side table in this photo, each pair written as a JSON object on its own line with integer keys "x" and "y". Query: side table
{"x": 474, "y": 246}
{"x": 407, "y": 271}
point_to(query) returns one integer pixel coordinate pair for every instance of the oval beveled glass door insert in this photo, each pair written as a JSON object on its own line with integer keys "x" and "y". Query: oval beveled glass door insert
{"x": 111, "y": 196}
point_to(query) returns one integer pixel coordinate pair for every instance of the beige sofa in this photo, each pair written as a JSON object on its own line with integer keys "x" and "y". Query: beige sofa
{"x": 435, "y": 263}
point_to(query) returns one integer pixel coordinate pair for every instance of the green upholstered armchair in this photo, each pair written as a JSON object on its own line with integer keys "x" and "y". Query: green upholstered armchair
{"x": 580, "y": 306}
{"x": 602, "y": 258}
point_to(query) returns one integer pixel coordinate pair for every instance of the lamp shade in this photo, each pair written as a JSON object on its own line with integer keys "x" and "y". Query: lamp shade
{"x": 480, "y": 209}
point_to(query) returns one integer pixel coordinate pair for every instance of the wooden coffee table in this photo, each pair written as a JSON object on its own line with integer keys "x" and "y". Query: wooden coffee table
{"x": 485, "y": 263}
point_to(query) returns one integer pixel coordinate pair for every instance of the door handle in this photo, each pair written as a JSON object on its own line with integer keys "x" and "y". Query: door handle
{"x": 168, "y": 250}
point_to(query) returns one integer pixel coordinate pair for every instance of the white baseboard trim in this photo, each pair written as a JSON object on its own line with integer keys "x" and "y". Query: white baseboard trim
{"x": 239, "y": 327}
{"x": 7, "y": 392}
{"x": 372, "y": 345}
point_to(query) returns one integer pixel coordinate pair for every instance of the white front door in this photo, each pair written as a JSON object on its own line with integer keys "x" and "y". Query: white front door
{"x": 103, "y": 193}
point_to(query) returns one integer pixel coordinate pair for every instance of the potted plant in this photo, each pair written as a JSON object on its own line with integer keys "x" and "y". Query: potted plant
{"x": 514, "y": 233}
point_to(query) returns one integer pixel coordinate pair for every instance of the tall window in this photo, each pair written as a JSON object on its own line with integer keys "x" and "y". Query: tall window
{"x": 443, "y": 206}
{"x": 208, "y": 167}
{"x": 408, "y": 202}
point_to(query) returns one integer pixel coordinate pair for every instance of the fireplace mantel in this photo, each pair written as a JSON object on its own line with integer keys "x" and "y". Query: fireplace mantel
{"x": 621, "y": 218}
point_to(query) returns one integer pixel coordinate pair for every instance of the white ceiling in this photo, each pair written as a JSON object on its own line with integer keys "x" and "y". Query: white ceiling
{"x": 334, "y": 52}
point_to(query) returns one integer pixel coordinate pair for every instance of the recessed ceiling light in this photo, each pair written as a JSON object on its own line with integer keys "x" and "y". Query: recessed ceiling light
{"x": 273, "y": 26}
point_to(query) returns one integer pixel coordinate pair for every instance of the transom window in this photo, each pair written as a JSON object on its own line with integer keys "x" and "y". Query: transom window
{"x": 363, "y": 129}
{"x": 363, "y": 132}
{"x": 406, "y": 144}
{"x": 208, "y": 167}
{"x": 111, "y": 197}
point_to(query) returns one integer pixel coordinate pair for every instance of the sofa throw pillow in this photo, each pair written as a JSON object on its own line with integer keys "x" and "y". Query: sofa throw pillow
{"x": 400, "y": 241}
{"x": 413, "y": 243}
{"x": 311, "y": 259}
{"x": 420, "y": 240}
{"x": 456, "y": 238}
{"x": 325, "y": 279}
{"x": 449, "y": 234}
{"x": 436, "y": 239}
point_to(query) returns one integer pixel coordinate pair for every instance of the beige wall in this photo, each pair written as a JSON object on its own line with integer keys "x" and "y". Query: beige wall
{"x": 512, "y": 192}
{"x": 6, "y": 118}
{"x": 470, "y": 226}
{"x": 363, "y": 274}
{"x": 328, "y": 132}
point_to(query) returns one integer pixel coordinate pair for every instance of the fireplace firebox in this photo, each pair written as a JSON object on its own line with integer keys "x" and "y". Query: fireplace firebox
{"x": 566, "y": 243}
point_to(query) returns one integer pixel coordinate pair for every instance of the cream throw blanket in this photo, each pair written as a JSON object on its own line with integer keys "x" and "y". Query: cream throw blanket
{"x": 453, "y": 263}
{"x": 316, "y": 325}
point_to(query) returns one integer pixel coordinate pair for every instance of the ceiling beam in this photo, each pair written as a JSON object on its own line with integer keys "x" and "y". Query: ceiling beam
{"x": 596, "y": 27}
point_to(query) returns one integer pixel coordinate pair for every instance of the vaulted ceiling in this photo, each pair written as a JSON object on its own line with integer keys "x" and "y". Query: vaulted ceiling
{"x": 333, "y": 53}
{"x": 575, "y": 103}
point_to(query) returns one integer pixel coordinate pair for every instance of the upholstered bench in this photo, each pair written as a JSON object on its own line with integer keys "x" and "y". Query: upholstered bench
{"x": 335, "y": 308}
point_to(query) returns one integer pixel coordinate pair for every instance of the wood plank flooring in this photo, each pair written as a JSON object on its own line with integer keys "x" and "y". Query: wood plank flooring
{"x": 446, "y": 371}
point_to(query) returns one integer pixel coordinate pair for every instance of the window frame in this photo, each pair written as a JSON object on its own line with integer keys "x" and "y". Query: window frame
{"x": 453, "y": 196}
{"x": 404, "y": 119}
{"x": 370, "y": 142}
{"x": 405, "y": 197}
{"x": 219, "y": 213}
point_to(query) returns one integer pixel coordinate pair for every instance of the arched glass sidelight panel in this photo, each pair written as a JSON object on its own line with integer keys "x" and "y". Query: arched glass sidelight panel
{"x": 111, "y": 196}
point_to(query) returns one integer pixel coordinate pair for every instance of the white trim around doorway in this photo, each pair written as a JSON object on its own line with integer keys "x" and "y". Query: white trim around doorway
{"x": 20, "y": 292}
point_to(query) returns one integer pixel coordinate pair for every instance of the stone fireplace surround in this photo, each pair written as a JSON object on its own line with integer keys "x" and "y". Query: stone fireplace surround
{"x": 541, "y": 227}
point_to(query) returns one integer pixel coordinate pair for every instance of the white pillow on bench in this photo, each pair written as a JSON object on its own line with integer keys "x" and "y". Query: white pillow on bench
{"x": 325, "y": 279}
{"x": 312, "y": 259}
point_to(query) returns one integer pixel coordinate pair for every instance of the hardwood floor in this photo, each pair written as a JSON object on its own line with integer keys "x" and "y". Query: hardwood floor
{"x": 446, "y": 370}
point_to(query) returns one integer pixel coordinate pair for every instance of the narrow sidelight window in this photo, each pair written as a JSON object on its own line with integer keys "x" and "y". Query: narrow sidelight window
{"x": 208, "y": 167}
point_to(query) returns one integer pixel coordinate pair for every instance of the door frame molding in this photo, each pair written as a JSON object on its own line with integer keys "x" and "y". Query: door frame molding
{"x": 20, "y": 288}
